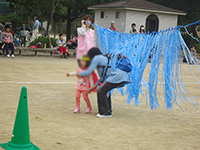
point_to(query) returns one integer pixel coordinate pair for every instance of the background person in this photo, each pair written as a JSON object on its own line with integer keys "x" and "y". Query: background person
{"x": 8, "y": 45}
{"x": 7, "y": 39}
{"x": 193, "y": 54}
{"x": 86, "y": 37}
{"x": 61, "y": 46}
{"x": 113, "y": 26}
{"x": 133, "y": 28}
{"x": 142, "y": 29}
{"x": 35, "y": 29}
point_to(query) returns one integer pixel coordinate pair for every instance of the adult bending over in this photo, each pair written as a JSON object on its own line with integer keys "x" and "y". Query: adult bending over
{"x": 110, "y": 79}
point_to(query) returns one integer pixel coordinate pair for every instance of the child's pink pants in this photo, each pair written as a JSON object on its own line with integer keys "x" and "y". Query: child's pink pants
{"x": 85, "y": 97}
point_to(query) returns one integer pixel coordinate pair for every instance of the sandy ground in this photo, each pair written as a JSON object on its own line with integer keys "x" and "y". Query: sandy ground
{"x": 54, "y": 126}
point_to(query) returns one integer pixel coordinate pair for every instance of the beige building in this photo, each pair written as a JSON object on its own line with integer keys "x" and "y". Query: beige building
{"x": 125, "y": 12}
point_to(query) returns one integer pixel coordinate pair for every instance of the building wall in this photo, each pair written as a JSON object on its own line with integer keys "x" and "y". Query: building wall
{"x": 139, "y": 17}
{"x": 109, "y": 15}
{"x": 167, "y": 21}
{"x": 127, "y": 17}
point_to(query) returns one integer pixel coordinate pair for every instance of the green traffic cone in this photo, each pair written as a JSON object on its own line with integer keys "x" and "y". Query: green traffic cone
{"x": 20, "y": 139}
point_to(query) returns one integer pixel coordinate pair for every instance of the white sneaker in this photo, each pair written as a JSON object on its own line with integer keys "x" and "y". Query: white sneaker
{"x": 7, "y": 55}
{"x": 103, "y": 116}
{"x": 13, "y": 56}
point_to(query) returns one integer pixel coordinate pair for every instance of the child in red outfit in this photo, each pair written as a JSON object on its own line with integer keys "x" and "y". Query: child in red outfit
{"x": 83, "y": 84}
{"x": 61, "y": 45}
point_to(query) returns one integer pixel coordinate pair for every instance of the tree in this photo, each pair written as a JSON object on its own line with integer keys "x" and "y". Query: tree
{"x": 15, "y": 19}
{"x": 64, "y": 10}
{"x": 53, "y": 6}
{"x": 38, "y": 8}
{"x": 4, "y": 7}
{"x": 191, "y": 7}
{"x": 72, "y": 9}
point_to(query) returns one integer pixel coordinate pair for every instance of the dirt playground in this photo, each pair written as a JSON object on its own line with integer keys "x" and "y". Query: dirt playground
{"x": 54, "y": 126}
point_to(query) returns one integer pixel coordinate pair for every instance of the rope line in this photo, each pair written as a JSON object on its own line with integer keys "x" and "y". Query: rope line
{"x": 165, "y": 75}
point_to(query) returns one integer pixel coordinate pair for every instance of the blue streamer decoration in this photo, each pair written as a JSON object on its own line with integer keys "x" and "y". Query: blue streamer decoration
{"x": 167, "y": 72}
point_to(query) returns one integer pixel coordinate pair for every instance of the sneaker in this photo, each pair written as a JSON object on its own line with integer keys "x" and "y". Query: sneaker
{"x": 77, "y": 110}
{"x": 13, "y": 56}
{"x": 7, "y": 55}
{"x": 105, "y": 115}
{"x": 61, "y": 56}
{"x": 65, "y": 57}
{"x": 88, "y": 110}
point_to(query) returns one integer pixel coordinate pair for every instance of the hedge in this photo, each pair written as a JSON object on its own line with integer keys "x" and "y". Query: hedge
{"x": 43, "y": 40}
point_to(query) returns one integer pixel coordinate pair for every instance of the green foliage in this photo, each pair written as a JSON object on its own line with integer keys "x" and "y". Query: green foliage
{"x": 72, "y": 9}
{"x": 197, "y": 46}
{"x": 191, "y": 42}
{"x": 15, "y": 19}
{"x": 77, "y": 8}
{"x": 67, "y": 10}
{"x": 4, "y": 8}
{"x": 43, "y": 40}
{"x": 191, "y": 7}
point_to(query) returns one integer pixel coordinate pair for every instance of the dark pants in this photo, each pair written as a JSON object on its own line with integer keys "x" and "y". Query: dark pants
{"x": 7, "y": 46}
{"x": 104, "y": 96}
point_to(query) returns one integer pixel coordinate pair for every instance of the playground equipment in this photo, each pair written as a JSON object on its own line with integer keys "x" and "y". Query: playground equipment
{"x": 20, "y": 139}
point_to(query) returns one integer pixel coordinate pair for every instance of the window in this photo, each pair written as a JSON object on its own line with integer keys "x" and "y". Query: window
{"x": 117, "y": 15}
{"x": 102, "y": 14}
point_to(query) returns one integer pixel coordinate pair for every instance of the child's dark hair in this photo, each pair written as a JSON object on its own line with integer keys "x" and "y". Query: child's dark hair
{"x": 60, "y": 34}
{"x": 133, "y": 24}
{"x": 7, "y": 27}
{"x": 134, "y": 30}
{"x": 87, "y": 17}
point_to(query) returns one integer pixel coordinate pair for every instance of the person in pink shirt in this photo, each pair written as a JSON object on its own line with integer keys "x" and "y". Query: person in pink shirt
{"x": 7, "y": 40}
{"x": 86, "y": 37}
{"x": 83, "y": 84}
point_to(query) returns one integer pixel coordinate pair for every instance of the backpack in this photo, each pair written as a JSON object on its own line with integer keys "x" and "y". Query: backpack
{"x": 123, "y": 64}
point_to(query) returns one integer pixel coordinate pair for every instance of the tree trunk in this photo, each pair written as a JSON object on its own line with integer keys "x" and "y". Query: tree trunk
{"x": 54, "y": 29}
{"x": 48, "y": 26}
{"x": 41, "y": 25}
{"x": 50, "y": 20}
{"x": 48, "y": 36}
{"x": 69, "y": 22}
{"x": 194, "y": 31}
{"x": 68, "y": 29}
